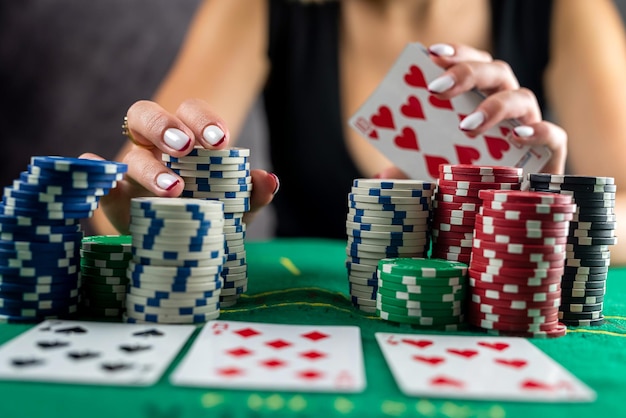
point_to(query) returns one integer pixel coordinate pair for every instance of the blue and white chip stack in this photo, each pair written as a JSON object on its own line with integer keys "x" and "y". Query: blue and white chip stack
{"x": 222, "y": 175}
{"x": 178, "y": 256}
{"x": 40, "y": 234}
{"x": 386, "y": 219}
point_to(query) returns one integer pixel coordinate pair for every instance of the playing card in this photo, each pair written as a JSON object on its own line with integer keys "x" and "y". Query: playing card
{"x": 418, "y": 132}
{"x": 488, "y": 368}
{"x": 247, "y": 355}
{"x": 92, "y": 352}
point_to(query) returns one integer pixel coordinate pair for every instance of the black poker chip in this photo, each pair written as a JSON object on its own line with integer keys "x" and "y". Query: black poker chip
{"x": 572, "y": 188}
{"x": 587, "y": 262}
{"x": 565, "y": 300}
{"x": 599, "y": 285}
{"x": 570, "y": 179}
{"x": 573, "y": 316}
{"x": 585, "y": 277}
{"x": 592, "y": 240}
{"x": 582, "y": 307}
{"x": 593, "y": 226}
{"x": 580, "y": 293}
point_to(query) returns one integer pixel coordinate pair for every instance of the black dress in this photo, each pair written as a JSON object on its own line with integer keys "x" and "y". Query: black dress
{"x": 307, "y": 147}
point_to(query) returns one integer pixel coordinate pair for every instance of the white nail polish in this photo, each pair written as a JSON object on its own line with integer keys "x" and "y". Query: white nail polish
{"x": 176, "y": 138}
{"x": 213, "y": 134}
{"x": 524, "y": 131}
{"x": 442, "y": 50}
{"x": 472, "y": 121}
{"x": 166, "y": 181}
{"x": 441, "y": 84}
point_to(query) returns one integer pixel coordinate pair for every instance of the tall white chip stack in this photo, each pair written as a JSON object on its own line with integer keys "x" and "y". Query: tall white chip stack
{"x": 222, "y": 175}
{"x": 386, "y": 218}
{"x": 178, "y": 257}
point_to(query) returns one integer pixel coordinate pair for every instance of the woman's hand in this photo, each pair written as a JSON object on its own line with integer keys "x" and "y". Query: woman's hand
{"x": 154, "y": 131}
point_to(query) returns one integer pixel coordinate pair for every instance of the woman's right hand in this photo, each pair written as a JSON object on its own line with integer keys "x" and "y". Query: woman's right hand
{"x": 154, "y": 131}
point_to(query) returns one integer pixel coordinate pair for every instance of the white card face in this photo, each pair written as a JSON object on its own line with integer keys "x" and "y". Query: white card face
{"x": 92, "y": 352}
{"x": 417, "y": 131}
{"x": 247, "y": 355}
{"x": 487, "y": 368}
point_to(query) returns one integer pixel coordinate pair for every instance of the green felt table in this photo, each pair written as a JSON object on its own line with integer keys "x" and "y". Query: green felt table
{"x": 298, "y": 281}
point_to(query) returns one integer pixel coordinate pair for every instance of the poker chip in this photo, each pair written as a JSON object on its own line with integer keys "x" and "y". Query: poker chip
{"x": 40, "y": 234}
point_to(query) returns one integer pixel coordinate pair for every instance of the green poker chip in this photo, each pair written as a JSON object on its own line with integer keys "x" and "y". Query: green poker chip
{"x": 435, "y": 297}
{"x": 103, "y": 272}
{"x": 410, "y": 280}
{"x": 432, "y": 313}
{"x": 107, "y": 243}
{"x": 104, "y": 280}
{"x": 103, "y": 298}
{"x": 422, "y": 267}
{"x": 418, "y": 304}
{"x": 420, "y": 289}
{"x": 88, "y": 288}
{"x": 107, "y": 264}
{"x": 419, "y": 320}
{"x": 99, "y": 255}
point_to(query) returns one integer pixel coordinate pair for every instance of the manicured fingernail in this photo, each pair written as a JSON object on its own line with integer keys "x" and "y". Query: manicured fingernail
{"x": 277, "y": 181}
{"x": 524, "y": 131}
{"x": 167, "y": 181}
{"x": 176, "y": 139}
{"x": 441, "y": 84}
{"x": 472, "y": 121}
{"x": 442, "y": 50}
{"x": 213, "y": 135}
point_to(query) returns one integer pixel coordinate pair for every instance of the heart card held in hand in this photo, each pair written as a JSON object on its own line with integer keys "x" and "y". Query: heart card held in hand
{"x": 418, "y": 132}
{"x": 486, "y": 368}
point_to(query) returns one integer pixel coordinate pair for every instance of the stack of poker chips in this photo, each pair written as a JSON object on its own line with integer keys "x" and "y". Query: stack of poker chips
{"x": 422, "y": 292}
{"x": 456, "y": 204}
{"x": 222, "y": 175}
{"x": 178, "y": 254}
{"x": 40, "y": 234}
{"x": 103, "y": 263}
{"x": 517, "y": 263}
{"x": 591, "y": 233}
{"x": 386, "y": 218}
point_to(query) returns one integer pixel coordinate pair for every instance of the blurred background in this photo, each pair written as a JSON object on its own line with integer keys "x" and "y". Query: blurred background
{"x": 69, "y": 69}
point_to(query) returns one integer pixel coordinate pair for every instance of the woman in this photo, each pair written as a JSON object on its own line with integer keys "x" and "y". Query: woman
{"x": 317, "y": 63}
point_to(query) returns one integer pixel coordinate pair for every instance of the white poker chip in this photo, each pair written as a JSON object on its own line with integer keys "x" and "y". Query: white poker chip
{"x": 386, "y": 228}
{"x": 203, "y": 167}
{"x": 195, "y": 159}
{"x": 171, "y": 319}
{"x": 234, "y": 291}
{"x": 226, "y": 152}
{"x": 391, "y": 192}
{"x": 171, "y": 311}
{"x": 389, "y": 199}
{"x": 223, "y": 195}
{"x": 206, "y": 174}
{"x": 411, "y": 214}
{"x": 379, "y": 221}
{"x": 179, "y": 223}
{"x": 390, "y": 206}
{"x": 214, "y": 187}
{"x": 176, "y": 204}
{"x": 394, "y": 184}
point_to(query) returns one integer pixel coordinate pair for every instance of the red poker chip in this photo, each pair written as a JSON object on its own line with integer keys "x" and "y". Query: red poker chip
{"x": 524, "y": 224}
{"x": 447, "y": 227}
{"x": 504, "y": 326}
{"x": 520, "y": 249}
{"x": 451, "y": 198}
{"x": 518, "y": 272}
{"x": 476, "y": 185}
{"x": 453, "y": 191}
{"x": 478, "y": 257}
{"x": 482, "y": 178}
{"x": 559, "y": 331}
{"x": 528, "y": 313}
{"x": 452, "y": 235}
{"x": 516, "y": 289}
{"x": 464, "y": 206}
{"x": 521, "y": 215}
{"x": 449, "y": 249}
{"x": 512, "y": 319}
{"x": 446, "y": 213}
{"x": 547, "y": 299}
{"x": 501, "y": 279}
{"x": 506, "y": 239}
{"x": 462, "y": 258}
{"x": 531, "y": 208}
{"x": 515, "y": 303}
{"x": 480, "y": 169}
{"x": 528, "y": 197}
{"x": 452, "y": 220}
{"x": 519, "y": 232}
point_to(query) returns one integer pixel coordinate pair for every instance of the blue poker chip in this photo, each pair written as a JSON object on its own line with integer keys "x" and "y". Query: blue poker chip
{"x": 181, "y": 287}
{"x": 387, "y": 253}
{"x": 390, "y": 200}
{"x": 56, "y": 190}
{"x": 190, "y": 303}
{"x": 43, "y": 238}
{"x": 189, "y": 310}
{"x": 37, "y": 304}
{"x": 391, "y": 207}
{"x": 157, "y": 231}
{"x": 389, "y": 242}
{"x": 370, "y": 191}
{"x": 27, "y": 178}
{"x": 391, "y": 184}
{"x": 40, "y": 229}
{"x": 36, "y": 271}
{"x": 65, "y": 288}
{"x": 33, "y": 222}
{"x": 207, "y": 180}
{"x": 139, "y": 277}
{"x": 68, "y": 280}
{"x": 398, "y": 215}
{"x": 39, "y": 247}
{"x": 391, "y": 221}
{"x": 41, "y": 264}
{"x": 73, "y": 177}
{"x": 33, "y": 312}
{"x": 78, "y": 164}
{"x": 225, "y": 153}
{"x": 208, "y": 166}
{"x": 181, "y": 263}
{"x": 372, "y": 227}
{"x": 181, "y": 273}
{"x": 39, "y": 214}
{"x": 48, "y": 206}
{"x": 44, "y": 197}
{"x": 154, "y": 214}
{"x": 38, "y": 296}
{"x": 207, "y": 187}
{"x": 164, "y": 294}
{"x": 10, "y": 319}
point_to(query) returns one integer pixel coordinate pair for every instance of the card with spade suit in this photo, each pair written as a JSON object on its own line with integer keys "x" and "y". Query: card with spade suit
{"x": 418, "y": 131}
{"x": 92, "y": 352}
{"x": 477, "y": 367}
{"x": 248, "y": 355}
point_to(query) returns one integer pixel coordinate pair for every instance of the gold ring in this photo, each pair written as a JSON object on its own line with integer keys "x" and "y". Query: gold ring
{"x": 127, "y": 134}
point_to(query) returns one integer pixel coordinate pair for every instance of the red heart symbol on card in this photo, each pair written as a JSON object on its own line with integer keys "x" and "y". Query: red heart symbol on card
{"x": 446, "y": 381}
{"x": 535, "y": 385}
{"x": 440, "y": 103}
{"x": 407, "y": 139}
{"x": 432, "y": 164}
{"x": 417, "y": 343}
{"x": 383, "y": 118}
{"x": 373, "y": 134}
{"x": 496, "y": 146}
{"x": 466, "y": 155}
{"x": 415, "y": 77}
{"x": 504, "y": 131}
{"x": 430, "y": 360}
{"x": 412, "y": 108}
{"x": 518, "y": 364}
{"x": 495, "y": 346}
{"x": 463, "y": 353}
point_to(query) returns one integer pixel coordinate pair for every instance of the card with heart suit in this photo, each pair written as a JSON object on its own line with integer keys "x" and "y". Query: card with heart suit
{"x": 487, "y": 368}
{"x": 418, "y": 132}
{"x": 247, "y": 355}
{"x": 92, "y": 352}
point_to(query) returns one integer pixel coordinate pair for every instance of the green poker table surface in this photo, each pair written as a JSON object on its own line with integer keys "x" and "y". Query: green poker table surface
{"x": 304, "y": 281}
